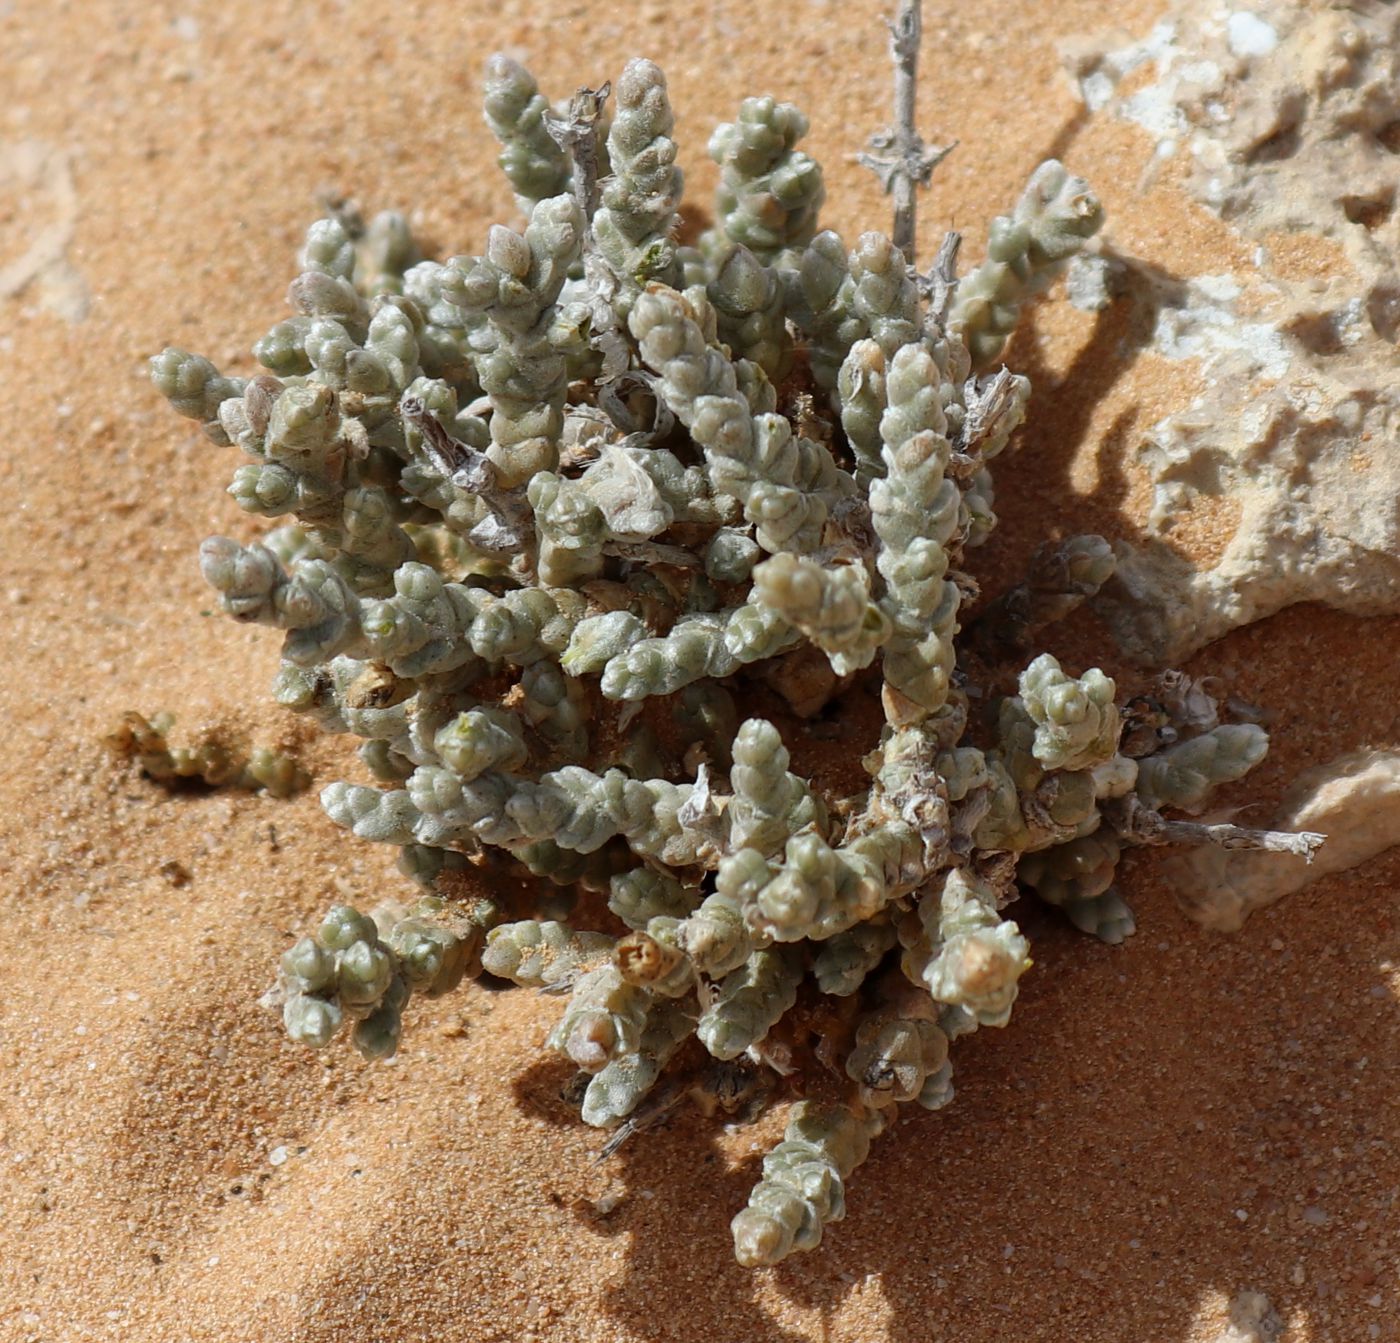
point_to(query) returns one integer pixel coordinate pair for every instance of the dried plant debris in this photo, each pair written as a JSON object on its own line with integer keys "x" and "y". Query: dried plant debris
{"x": 207, "y": 758}
{"x": 549, "y": 515}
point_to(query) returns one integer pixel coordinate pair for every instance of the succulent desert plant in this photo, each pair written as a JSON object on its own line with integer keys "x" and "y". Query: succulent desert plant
{"x": 553, "y": 511}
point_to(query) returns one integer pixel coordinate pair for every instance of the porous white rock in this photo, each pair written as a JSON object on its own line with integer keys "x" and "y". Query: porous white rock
{"x": 1291, "y": 125}
{"x": 1252, "y": 1319}
{"x": 1354, "y": 800}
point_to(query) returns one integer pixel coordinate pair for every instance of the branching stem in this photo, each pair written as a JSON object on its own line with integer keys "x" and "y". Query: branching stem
{"x": 902, "y": 161}
{"x": 905, "y": 35}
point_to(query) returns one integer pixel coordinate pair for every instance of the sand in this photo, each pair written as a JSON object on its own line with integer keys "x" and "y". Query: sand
{"x": 1162, "y": 1125}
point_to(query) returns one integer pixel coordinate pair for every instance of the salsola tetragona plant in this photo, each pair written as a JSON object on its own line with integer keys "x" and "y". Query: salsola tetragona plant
{"x": 553, "y": 512}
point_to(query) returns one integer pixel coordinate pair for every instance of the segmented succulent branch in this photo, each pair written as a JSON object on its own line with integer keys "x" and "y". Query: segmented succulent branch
{"x": 634, "y": 223}
{"x": 515, "y": 111}
{"x": 769, "y": 191}
{"x": 1026, "y": 250}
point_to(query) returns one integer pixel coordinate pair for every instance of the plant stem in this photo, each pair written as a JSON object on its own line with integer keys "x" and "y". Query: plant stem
{"x": 904, "y": 162}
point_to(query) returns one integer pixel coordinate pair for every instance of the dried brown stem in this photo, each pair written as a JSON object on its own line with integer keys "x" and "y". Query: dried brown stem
{"x": 942, "y": 280}
{"x": 1143, "y": 825}
{"x": 577, "y": 135}
{"x": 1299, "y": 842}
{"x": 507, "y": 528}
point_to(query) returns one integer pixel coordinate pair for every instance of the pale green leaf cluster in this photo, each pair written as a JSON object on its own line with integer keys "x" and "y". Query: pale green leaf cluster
{"x": 1026, "y": 250}
{"x": 355, "y": 971}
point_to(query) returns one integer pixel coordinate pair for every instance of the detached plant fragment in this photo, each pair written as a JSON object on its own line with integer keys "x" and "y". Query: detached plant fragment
{"x": 557, "y": 510}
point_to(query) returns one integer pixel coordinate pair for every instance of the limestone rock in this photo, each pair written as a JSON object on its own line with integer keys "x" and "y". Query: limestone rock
{"x": 1296, "y": 421}
{"x": 1252, "y": 1319}
{"x": 1354, "y": 800}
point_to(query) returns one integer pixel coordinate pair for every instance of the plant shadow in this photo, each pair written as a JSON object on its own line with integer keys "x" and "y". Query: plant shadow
{"x": 1091, "y": 1171}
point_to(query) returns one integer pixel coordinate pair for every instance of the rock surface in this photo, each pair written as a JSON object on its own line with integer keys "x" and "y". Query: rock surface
{"x": 1282, "y": 121}
{"x": 1354, "y": 801}
{"x": 1252, "y": 1319}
